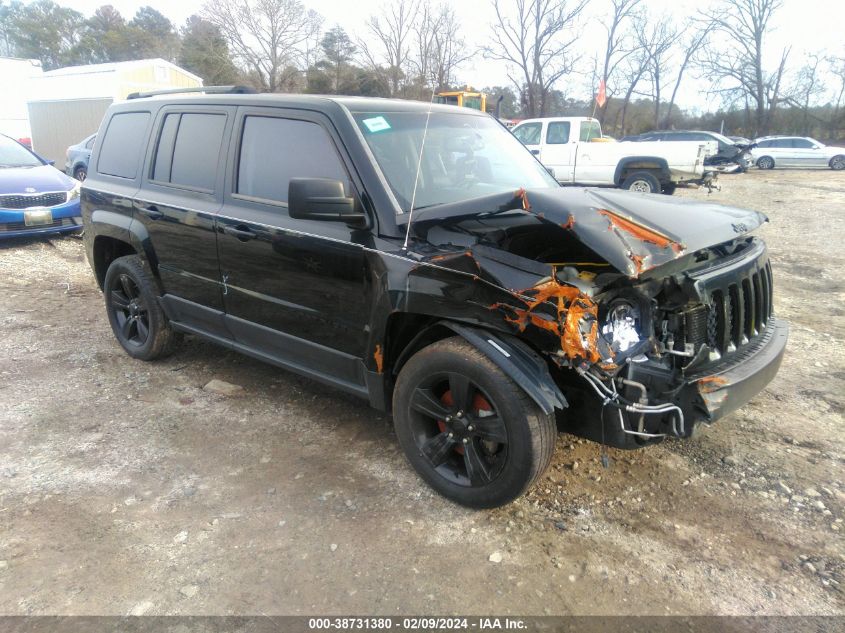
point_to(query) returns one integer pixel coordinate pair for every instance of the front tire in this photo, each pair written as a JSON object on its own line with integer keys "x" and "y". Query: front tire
{"x": 469, "y": 431}
{"x": 137, "y": 320}
{"x": 765, "y": 162}
{"x": 669, "y": 189}
{"x": 80, "y": 173}
{"x": 837, "y": 163}
{"x": 642, "y": 181}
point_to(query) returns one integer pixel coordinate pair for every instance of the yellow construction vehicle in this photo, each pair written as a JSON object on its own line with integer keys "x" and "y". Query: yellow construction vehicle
{"x": 465, "y": 98}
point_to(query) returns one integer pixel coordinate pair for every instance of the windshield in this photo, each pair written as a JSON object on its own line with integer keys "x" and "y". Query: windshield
{"x": 464, "y": 157}
{"x": 13, "y": 154}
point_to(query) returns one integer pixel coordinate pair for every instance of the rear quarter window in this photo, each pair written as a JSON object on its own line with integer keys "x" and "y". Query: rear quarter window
{"x": 123, "y": 145}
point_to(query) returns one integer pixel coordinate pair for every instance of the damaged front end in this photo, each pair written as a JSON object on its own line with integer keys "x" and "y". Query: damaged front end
{"x": 662, "y": 310}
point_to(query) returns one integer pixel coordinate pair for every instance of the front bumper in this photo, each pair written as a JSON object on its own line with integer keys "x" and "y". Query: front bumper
{"x": 67, "y": 218}
{"x": 725, "y": 388}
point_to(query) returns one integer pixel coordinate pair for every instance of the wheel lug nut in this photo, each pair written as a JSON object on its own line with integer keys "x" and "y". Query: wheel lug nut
{"x": 451, "y": 435}
{"x": 470, "y": 428}
{"x": 466, "y": 441}
{"x": 460, "y": 414}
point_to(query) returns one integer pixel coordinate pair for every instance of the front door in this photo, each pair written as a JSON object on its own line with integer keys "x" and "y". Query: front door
{"x": 558, "y": 152}
{"x": 295, "y": 290}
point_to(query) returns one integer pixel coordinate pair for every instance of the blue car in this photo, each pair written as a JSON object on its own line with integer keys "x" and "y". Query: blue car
{"x": 78, "y": 156}
{"x": 35, "y": 197}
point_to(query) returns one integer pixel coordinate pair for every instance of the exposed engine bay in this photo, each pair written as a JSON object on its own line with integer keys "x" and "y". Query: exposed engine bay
{"x": 633, "y": 310}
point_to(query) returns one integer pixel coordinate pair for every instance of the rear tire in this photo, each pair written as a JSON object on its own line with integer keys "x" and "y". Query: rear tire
{"x": 837, "y": 163}
{"x": 137, "y": 320}
{"x": 765, "y": 162}
{"x": 668, "y": 189}
{"x": 469, "y": 431}
{"x": 642, "y": 181}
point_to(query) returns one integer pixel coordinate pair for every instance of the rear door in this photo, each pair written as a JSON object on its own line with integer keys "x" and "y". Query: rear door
{"x": 295, "y": 290}
{"x": 178, "y": 203}
{"x": 782, "y": 151}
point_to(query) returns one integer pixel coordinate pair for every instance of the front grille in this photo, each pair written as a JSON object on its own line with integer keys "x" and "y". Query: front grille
{"x": 37, "y": 200}
{"x": 739, "y": 311}
{"x": 21, "y": 226}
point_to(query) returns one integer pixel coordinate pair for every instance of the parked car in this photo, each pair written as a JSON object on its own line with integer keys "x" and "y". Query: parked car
{"x": 35, "y": 197}
{"x": 420, "y": 258}
{"x": 730, "y": 156}
{"x": 77, "y": 158}
{"x": 571, "y": 148}
{"x": 796, "y": 151}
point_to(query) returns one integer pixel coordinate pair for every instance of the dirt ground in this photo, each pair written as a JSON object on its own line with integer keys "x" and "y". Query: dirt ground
{"x": 125, "y": 488}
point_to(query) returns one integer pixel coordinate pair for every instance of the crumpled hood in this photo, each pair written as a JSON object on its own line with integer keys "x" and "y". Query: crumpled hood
{"x": 42, "y": 179}
{"x": 634, "y": 232}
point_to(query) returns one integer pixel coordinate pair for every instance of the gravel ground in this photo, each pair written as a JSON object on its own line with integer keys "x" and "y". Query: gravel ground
{"x": 127, "y": 488}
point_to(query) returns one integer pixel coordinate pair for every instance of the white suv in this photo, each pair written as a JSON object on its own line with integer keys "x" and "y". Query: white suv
{"x": 796, "y": 151}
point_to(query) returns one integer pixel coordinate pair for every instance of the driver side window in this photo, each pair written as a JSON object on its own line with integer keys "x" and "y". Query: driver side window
{"x": 529, "y": 134}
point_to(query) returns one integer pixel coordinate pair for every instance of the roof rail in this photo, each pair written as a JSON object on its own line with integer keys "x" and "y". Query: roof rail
{"x": 217, "y": 90}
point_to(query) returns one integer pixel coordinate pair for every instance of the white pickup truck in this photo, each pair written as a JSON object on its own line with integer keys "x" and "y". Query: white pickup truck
{"x": 576, "y": 153}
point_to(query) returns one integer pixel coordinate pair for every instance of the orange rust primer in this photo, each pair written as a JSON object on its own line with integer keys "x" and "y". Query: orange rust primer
{"x": 379, "y": 358}
{"x": 523, "y": 195}
{"x": 711, "y": 384}
{"x": 639, "y": 231}
{"x": 570, "y": 223}
{"x": 574, "y": 310}
{"x": 638, "y": 262}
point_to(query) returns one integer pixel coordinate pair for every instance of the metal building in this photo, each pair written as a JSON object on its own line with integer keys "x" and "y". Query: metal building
{"x": 67, "y": 104}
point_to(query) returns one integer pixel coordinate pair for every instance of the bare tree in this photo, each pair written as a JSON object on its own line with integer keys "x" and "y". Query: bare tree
{"x": 618, "y": 47}
{"x": 536, "y": 39}
{"x": 836, "y": 68}
{"x": 449, "y": 49}
{"x": 657, "y": 39}
{"x": 389, "y": 40}
{"x": 806, "y": 88}
{"x": 272, "y": 39}
{"x": 736, "y": 57}
{"x": 695, "y": 36}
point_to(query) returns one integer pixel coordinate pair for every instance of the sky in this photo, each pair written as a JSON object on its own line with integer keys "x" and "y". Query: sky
{"x": 807, "y": 25}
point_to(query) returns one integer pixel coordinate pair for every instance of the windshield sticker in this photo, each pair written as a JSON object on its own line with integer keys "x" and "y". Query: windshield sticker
{"x": 377, "y": 124}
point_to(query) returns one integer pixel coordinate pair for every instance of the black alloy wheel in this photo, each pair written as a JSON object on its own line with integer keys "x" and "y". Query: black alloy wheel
{"x": 456, "y": 427}
{"x": 469, "y": 431}
{"x": 130, "y": 312}
{"x": 137, "y": 320}
{"x": 81, "y": 173}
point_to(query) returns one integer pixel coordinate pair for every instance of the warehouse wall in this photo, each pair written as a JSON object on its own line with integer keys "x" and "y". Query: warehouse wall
{"x": 58, "y": 124}
{"x": 154, "y": 77}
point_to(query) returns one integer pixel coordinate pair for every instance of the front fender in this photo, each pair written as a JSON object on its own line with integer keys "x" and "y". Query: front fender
{"x": 521, "y": 365}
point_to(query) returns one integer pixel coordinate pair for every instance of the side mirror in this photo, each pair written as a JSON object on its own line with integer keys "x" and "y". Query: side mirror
{"x": 322, "y": 199}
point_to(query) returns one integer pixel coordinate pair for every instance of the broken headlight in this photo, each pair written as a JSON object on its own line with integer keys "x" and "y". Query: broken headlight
{"x": 621, "y": 326}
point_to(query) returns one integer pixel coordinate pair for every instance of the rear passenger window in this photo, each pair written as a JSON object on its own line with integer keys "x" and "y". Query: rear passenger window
{"x": 189, "y": 150}
{"x": 123, "y": 145}
{"x": 275, "y": 150}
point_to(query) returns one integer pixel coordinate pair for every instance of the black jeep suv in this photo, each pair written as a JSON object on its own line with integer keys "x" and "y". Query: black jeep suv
{"x": 420, "y": 257}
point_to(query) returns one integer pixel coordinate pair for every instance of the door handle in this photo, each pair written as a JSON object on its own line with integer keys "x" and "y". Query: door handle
{"x": 151, "y": 212}
{"x": 536, "y": 152}
{"x": 241, "y": 232}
